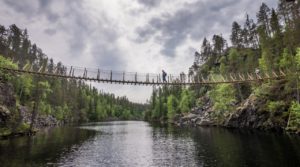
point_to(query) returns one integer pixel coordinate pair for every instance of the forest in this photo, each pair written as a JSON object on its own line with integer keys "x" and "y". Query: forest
{"x": 268, "y": 43}
{"x": 66, "y": 100}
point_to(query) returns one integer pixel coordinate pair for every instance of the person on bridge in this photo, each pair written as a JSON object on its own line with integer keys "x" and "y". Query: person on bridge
{"x": 257, "y": 71}
{"x": 164, "y": 76}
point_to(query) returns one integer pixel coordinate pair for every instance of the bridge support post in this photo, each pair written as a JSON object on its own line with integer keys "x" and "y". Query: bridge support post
{"x": 147, "y": 78}
{"x": 123, "y": 77}
{"x": 135, "y": 77}
{"x": 84, "y": 73}
{"x": 98, "y": 75}
{"x": 159, "y": 79}
{"x": 111, "y": 76}
{"x": 70, "y": 73}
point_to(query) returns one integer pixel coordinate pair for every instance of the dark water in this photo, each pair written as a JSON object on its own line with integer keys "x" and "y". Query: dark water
{"x": 139, "y": 144}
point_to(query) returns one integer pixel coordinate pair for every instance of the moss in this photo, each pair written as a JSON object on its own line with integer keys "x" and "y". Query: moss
{"x": 5, "y": 132}
{"x": 276, "y": 107}
{"x": 294, "y": 117}
{"x": 23, "y": 128}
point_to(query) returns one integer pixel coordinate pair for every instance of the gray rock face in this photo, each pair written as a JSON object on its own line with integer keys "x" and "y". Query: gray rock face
{"x": 41, "y": 120}
{"x": 7, "y": 95}
{"x": 251, "y": 115}
{"x": 4, "y": 115}
{"x": 198, "y": 116}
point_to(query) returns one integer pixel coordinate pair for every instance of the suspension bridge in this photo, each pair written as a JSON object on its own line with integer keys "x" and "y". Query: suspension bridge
{"x": 132, "y": 78}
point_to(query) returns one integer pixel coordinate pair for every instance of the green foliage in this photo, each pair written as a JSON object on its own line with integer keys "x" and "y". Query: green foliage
{"x": 297, "y": 58}
{"x": 233, "y": 58}
{"x": 265, "y": 61}
{"x": 287, "y": 60}
{"x": 172, "y": 106}
{"x": 169, "y": 100}
{"x": 66, "y": 99}
{"x": 275, "y": 106}
{"x": 187, "y": 101}
{"x": 5, "y": 131}
{"x": 45, "y": 89}
{"x": 223, "y": 97}
{"x": 23, "y": 128}
{"x": 6, "y": 63}
{"x": 262, "y": 90}
{"x": 294, "y": 117}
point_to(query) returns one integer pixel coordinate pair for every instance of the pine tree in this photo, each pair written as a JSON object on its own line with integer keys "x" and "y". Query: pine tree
{"x": 249, "y": 34}
{"x": 219, "y": 44}
{"x": 275, "y": 26}
{"x": 263, "y": 19}
{"x": 236, "y": 35}
{"x": 206, "y": 50}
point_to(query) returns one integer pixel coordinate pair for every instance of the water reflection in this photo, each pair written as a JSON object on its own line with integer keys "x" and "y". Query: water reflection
{"x": 136, "y": 143}
{"x": 42, "y": 149}
{"x": 118, "y": 144}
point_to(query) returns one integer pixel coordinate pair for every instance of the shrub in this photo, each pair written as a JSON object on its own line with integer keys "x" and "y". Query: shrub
{"x": 294, "y": 117}
{"x": 172, "y": 106}
{"x": 187, "y": 100}
{"x": 223, "y": 97}
{"x": 8, "y": 64}
{"x": 275, "y": 106}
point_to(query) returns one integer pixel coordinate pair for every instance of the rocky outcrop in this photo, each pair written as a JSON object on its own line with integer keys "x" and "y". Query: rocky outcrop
{"x": 7, "y": 97}
{"x": 4, "y": 115}
{"x": 199, "y": 116}
{"x": 249, "y": 114}
{"x": 16, "y": 121}
{"x": 41, "y": 120}
{"x": 7, "y": 100}
{"x": 252, "y": 114}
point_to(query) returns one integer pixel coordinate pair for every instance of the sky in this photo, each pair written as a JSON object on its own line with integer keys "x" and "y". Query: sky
{"x": 142, "y": 36}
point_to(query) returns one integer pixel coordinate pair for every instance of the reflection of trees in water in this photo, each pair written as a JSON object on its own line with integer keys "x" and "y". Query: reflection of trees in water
{"x": 43, "y": 148}
{"x": 223, "y": 147}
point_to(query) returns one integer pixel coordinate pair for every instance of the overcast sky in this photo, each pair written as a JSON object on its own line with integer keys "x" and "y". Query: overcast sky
{"x": 129, "y": 35}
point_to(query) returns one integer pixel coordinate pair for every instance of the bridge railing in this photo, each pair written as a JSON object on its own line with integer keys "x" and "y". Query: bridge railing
{"x": 144, "y": 78}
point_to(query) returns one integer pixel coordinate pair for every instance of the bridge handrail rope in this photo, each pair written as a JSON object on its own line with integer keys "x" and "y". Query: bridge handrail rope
{"x": 122, "y": 77}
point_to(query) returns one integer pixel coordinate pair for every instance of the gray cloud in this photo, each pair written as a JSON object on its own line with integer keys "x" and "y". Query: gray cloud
{"x": 108, "y": 57}
{"x": 194, "y": 20}
{"x": 31, "y": 8}
{"x": 50, "y": 31}
{"x": 81, "y": 30}
{"x": 27, "y": 7}
{"x": 100, "y": 37}
{"x": 150, "y": 3}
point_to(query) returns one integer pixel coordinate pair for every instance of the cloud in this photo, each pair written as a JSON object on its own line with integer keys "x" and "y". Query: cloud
{"x": 150, "y": 3}
{"x": 194, "y": 20}
{"x": 50, "y": 31}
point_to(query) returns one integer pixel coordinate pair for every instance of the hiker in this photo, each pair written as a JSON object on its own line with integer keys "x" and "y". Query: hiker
{"x": 257, "y": 71}
{"x": 164, "y": 76}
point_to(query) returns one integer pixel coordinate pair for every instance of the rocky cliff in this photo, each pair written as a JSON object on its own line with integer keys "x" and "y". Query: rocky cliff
{"x": 15, "y": 120}
{"x": 251, "y": 113}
